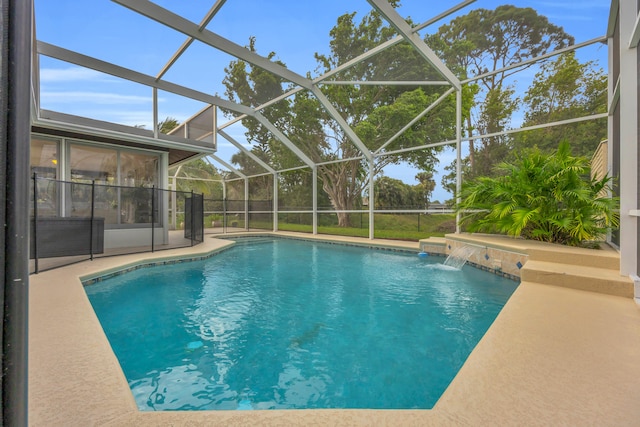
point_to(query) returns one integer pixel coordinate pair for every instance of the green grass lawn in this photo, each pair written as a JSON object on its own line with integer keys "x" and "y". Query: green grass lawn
{"x": 411, "y": 227}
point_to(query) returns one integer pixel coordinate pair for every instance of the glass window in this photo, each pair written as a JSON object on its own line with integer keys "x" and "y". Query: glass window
{"x": 44, "y": 157}
{"x": 123, "y": 179}
{"x": 44, "y": 163}
{"x": 138, "y": 170}
{"x": 88, "y": 163}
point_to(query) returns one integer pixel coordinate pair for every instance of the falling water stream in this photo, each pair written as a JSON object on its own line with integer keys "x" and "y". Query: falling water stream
{"x": 459, "y": 256}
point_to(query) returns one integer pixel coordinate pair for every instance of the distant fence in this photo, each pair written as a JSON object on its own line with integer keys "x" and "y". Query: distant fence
{"x": 229, "y": 216}
{"x": 77, "y": 221}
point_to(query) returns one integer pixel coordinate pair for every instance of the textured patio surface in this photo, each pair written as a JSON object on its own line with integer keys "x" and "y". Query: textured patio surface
{"x": 554, "y": 356}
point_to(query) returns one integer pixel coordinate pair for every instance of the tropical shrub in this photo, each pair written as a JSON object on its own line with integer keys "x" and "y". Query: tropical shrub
{"x": 540, "y": 196}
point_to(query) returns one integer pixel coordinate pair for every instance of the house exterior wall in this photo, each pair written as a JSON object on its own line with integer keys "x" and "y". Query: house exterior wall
{"x": 624, "y": 66}
{"x": 116, "y": 234}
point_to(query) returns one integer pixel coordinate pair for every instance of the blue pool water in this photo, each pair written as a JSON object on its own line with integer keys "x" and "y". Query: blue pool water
{"x": 278, "y": 324}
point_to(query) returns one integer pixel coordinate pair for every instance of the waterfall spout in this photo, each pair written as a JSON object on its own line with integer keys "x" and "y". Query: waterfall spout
{"x": 460, "y": 255}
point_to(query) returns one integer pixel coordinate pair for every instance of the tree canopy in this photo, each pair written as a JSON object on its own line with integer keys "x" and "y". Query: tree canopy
{"x": 375, "y": 113}
{"x": 485, "y": 41}
{"x": 563, "y": 89}
{"x": 199, "y": 176}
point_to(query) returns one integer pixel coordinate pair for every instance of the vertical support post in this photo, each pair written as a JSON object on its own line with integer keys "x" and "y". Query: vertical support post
{"x": 315, "y": 199}
{"x": 156, "y": 129}
{"x": 61, "y": 186}
{"x": 246, "y": 203}
{"x": 611, "y": 84}
{"x": 191, "y": 221}
{"x": 93, "y": 207}
{"x": 35, "y": 222}
{"x": 224, "y": 206}
{"x": 119, "y": 201}
{"x": 628, "y": 107}
{"x": 153, "y": 216}
{"x": 214, "y": 135}
{"x": 458, "y": 154}
{"x": 174, "y": 203}
{"x": 16, "y": 44}
{"x": 371, "y": 200}
{"x": 276, "y": 185}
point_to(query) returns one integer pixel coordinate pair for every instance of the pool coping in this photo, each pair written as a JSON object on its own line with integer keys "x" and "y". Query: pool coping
{"x": 553, "y": 355}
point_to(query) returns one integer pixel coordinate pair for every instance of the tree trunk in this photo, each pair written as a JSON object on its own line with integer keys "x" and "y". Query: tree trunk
{"x": 340, "y": 201}
{"x": 344, "y": 220}
{"x": 340, "y": 183}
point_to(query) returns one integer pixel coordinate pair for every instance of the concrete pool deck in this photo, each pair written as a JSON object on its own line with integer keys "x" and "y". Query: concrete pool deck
{"x": 553, "y": 356}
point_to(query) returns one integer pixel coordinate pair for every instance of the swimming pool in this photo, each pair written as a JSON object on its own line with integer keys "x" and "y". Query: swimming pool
{"x": 281, "y": 323}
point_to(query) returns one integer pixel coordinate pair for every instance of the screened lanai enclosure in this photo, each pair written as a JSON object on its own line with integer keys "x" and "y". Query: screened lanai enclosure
{"x": 139, "y": 124}
{"x": 365, "y": 122}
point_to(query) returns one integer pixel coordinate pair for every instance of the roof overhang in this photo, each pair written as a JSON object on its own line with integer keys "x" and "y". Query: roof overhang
{"x": 61, "y": 124}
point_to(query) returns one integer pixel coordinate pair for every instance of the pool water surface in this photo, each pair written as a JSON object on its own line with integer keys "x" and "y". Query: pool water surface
{"x": 286, "y": 324}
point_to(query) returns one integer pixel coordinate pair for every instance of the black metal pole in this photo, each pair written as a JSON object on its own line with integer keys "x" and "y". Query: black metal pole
{"x": 191, "y": 215}
{"x": 35, "y": 222}
{"x": 153, "y": 209}
{"x": 201, "y": 215}
{"x": 15, "y": 123}
{"x": 93, "y": 206}
{"x": 224, "y": 215}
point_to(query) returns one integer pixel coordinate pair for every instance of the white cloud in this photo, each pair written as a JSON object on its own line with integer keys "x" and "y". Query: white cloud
{"x": 118, "y": 116}
{"x": 575, "y": 5}
{"x": 73, "y": 74}
{"x": 571, "y": 17}
{"x": 128, "y": 118}
{"x": 102, "y": 98}
{"x": 222, "y": 144}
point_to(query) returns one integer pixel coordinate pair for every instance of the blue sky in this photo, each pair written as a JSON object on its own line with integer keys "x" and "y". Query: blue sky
{"x": 294, "y": 29}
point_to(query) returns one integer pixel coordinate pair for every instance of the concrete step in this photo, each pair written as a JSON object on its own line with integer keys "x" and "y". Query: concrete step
{"x": 606, "y": 258}
{"x": 595, "y": 279}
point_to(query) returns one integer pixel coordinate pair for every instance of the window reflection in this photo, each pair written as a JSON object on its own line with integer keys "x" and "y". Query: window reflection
{"x": 44, "y": 162}
{"x": 138, "y": 170}
{"x": 89, "y": 163}
{"x": 44, "y": 158}
{"x": 123, "y": 178}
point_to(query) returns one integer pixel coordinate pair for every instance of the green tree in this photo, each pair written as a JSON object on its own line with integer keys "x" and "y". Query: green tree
{"x": 392, "y": 193}
{"x": 197, "y": 175}
{"x": 168, "y": 124}
{"x": 565, "y": 89}
{"x": 375, "y": 112}
{"x": 484, "y": 41}
{"x": 253, "y": 86}
{"x": 494, "y": 116}
{"x": 372, "y": 111}
{"x": 425, "y": 188}
{"x": 260, "y": 187}
{"x": 547, "y": 197}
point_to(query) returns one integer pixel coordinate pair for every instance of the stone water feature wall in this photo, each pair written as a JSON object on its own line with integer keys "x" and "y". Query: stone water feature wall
{"x": 497, "y": 260}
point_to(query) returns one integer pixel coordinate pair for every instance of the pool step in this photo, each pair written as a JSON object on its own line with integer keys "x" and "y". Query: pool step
{"x": 606, "y": 258}
{"x": 588, "y": 278}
